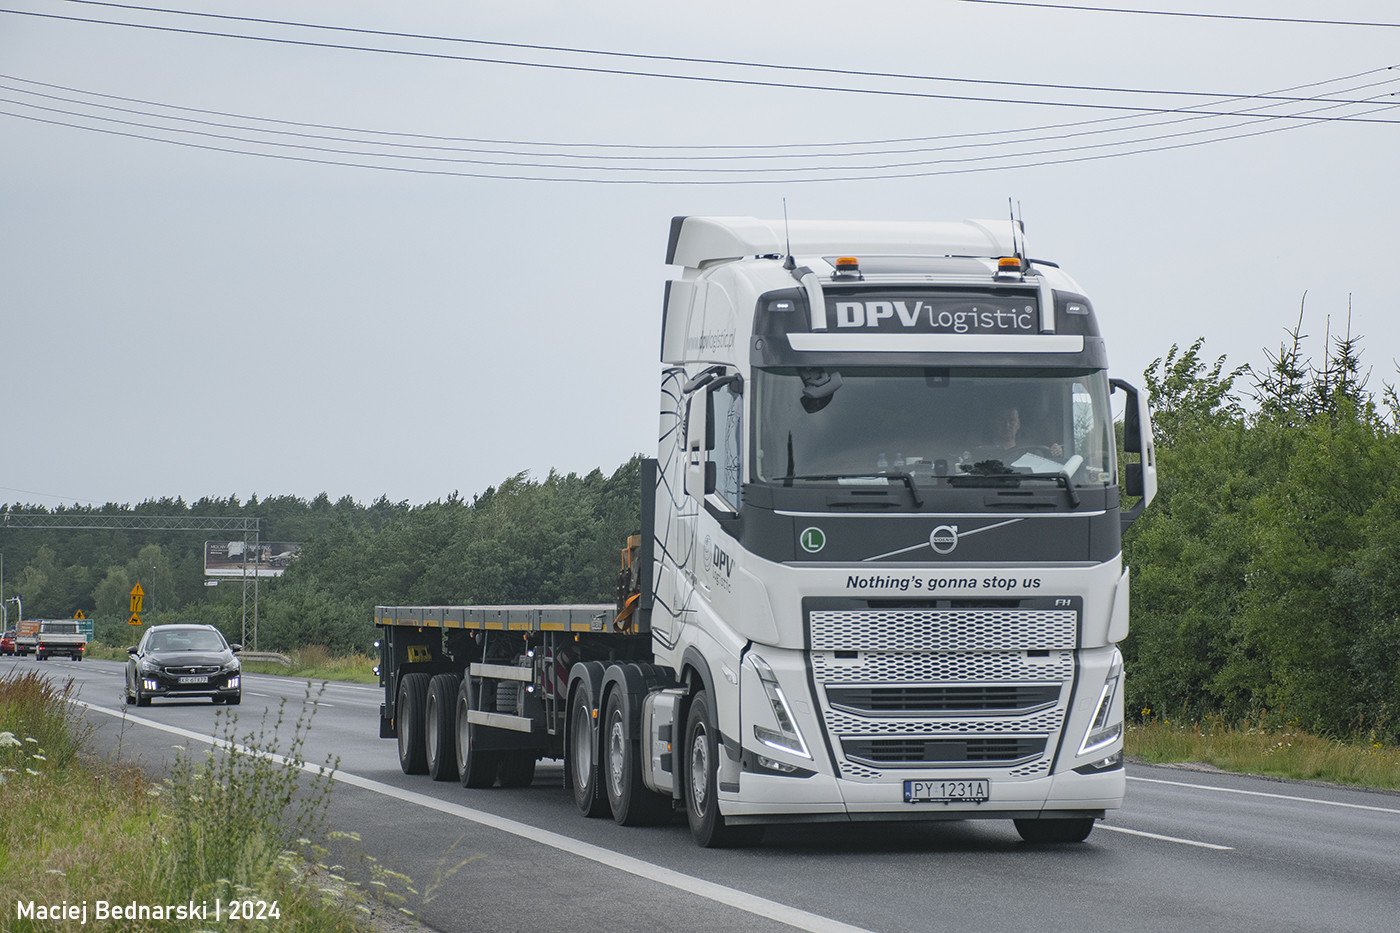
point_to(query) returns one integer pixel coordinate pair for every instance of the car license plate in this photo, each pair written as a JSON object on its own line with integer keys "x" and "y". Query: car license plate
{"x": 194, "y": 680}
{"x": 947, "y": 791}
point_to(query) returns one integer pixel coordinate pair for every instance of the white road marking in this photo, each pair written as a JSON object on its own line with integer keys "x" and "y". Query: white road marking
{"x": 1260, "y": 793}
{"x": 731, "y": 897}
{"x": 1185, "y": 842}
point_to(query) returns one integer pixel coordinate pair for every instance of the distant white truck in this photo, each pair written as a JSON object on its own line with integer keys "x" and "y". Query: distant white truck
{"x": 47, "y": 638}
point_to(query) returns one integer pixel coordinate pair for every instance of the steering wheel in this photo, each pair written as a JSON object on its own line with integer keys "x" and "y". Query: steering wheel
{"x": 1012, "y": 454}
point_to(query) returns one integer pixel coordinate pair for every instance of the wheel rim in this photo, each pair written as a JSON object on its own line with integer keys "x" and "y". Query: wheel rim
{"x": 617, "y": 752}
{"x": 699, "y": 769}
{"x": 583, "y": 746}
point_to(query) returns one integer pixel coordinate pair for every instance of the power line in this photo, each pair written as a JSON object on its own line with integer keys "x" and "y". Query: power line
{"x": 1189, "y": 113}
{"x": 1228, "y": 16}
{"x": 742, "y": 82}
{"x": 630, "y": 55}
{"x": 686, "y": 154}
{"x": 494, "y": 175}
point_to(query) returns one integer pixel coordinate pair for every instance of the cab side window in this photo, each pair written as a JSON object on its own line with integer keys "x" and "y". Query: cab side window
{"x": 727, "y": 407}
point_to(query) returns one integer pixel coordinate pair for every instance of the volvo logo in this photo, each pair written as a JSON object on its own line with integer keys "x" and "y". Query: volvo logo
{"x": 944, "y": 539}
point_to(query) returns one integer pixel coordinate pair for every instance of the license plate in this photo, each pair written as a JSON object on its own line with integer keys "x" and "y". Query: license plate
{"x": 947, "y": 791}
{"x": 194, "y": 680}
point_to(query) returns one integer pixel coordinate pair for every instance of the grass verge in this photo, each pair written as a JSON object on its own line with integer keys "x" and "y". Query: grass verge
{"x": 226, "y": 832}
{"x": 1260, "y": 747}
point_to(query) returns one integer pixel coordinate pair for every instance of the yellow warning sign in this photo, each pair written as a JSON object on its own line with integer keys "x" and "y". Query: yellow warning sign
{"x": 80, "y": 614}
{"x": 134, "y": 620}
{"x": 136, "y": 594}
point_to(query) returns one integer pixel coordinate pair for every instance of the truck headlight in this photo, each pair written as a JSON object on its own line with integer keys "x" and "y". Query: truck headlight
{"x": 787, "y": 737}
{"x": 1105, "y": 728}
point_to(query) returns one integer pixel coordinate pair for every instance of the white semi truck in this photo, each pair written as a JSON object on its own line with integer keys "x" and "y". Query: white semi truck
{"x": 879, "y": 575}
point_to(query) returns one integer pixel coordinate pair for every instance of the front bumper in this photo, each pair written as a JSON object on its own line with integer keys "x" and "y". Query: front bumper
{"x": 161, "y": 684}
{"x": 821, "y": 797}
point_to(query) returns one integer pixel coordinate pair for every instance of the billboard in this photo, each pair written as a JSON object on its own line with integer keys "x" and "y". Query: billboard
{"x": 239, "y": 558}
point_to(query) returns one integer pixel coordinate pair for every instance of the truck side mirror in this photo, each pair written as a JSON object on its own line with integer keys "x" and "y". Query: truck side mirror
{"x": 1140, "y": 476}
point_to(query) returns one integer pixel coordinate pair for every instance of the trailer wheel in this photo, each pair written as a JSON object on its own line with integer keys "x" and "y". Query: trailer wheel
{"x": 439, "y": 728}
{"x": 475, "y": 768}
{"x": 1054, "y": 831}
{"x": 517, "y": 769}
{"x": 632, "y": 803}
{"x": 582, "y": 761}
{"x": 408, "y": 711}
{"x": 700, "y": 782}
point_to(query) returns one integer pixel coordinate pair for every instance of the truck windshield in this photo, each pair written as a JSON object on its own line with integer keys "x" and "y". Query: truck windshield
{"x": 965, "y": 425}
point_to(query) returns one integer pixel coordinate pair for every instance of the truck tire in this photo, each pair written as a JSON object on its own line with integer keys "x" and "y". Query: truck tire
{"x": 700, "y": 781}
{"x": 517, "y": 769}
{"x": 582, "y": 756}
{"x": 1050, "y": 830}
{"x": 440, "y": 727}
{"x": 632, "y": 803}
{"x": 475, "y": 768}
{"x": 408, "y": 713}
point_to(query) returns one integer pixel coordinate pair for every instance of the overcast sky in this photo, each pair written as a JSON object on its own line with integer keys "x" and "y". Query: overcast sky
{"x": 256, "y": 312}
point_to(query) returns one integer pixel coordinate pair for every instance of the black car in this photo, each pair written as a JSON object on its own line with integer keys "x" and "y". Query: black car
{"x": 184, "y": 661}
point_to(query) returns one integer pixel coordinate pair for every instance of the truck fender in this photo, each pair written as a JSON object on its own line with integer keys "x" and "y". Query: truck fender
{"x": 694, "y": 661}
{"x": 587, "y": 677}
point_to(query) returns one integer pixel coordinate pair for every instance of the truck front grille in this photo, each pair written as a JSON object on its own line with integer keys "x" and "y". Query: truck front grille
{"x": 946, "y": 684}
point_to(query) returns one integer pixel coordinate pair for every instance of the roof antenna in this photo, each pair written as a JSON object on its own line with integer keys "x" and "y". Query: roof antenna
{"x": 1018, "y": 245}
{"x": 789, "y": 263}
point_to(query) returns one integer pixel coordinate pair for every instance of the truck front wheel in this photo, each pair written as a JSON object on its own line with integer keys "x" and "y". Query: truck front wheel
{"x": 409, "y": 720}
{"x": 700, "y": 782}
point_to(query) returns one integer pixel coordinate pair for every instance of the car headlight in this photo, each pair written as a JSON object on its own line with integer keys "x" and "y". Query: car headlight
{"x": 787, "y": 737}
{"x": 148, "y": 666}
{"x": 1105, "y": 728}
{"x": 231, "y": 667}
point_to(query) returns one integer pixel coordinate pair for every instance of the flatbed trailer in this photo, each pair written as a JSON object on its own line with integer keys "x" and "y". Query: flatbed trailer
{"x": 493, "y": 683}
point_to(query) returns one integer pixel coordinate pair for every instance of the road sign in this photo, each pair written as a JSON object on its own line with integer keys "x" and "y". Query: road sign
{"x": 80, "y": 614}
{"x": 134, "y": 620}
{"x": 136, "y": 594}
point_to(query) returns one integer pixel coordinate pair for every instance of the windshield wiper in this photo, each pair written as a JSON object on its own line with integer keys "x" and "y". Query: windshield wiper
{"x": 1061, "y": 478}
{"x": 901, "y": 475}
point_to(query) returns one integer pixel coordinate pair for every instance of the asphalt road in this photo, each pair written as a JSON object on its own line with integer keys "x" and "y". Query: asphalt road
{"x": 1191, "y": 850}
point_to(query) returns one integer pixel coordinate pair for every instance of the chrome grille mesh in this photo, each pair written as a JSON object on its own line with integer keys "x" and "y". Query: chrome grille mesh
{"x": 944, "y": 629}
{"x": 946, "y": 648}
{"x": 907, "y": 668}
